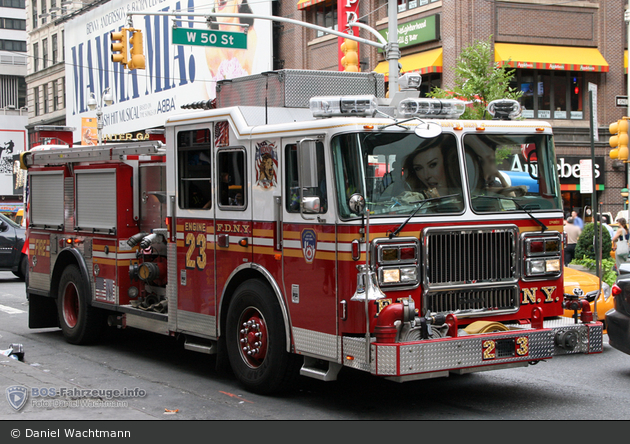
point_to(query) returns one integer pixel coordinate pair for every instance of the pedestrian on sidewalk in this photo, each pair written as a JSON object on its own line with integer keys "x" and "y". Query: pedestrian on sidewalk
{"x": 620, "y": 242}
{"x": 572, "y": 232}
{"x": 577, "y": 220}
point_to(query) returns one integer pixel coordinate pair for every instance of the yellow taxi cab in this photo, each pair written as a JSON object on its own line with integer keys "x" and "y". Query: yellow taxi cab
{"x": 586, "y": 285}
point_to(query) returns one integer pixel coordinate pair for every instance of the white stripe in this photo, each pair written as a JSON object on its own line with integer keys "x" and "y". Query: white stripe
{"x": 11, "y": 310}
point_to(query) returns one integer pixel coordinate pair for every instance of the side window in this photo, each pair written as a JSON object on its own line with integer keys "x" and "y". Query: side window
{"x": 292, "y": 180}
{"x": 194, "y": 169}
{"x": 231, "y": 174}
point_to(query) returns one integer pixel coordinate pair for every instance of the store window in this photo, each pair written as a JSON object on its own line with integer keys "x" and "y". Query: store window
{"x": 404, "y": 5}
{"x": 429, "y": 82}
{"x": 551, "y": 94}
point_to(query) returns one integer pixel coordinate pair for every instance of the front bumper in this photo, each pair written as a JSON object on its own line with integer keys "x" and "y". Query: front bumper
{"x": 517, "y": 347}
{"x": 618, "y": 330}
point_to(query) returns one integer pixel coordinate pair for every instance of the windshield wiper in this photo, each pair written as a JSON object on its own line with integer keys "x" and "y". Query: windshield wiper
{"x": 529, "y": 213}
{"x": 422, "y": 202}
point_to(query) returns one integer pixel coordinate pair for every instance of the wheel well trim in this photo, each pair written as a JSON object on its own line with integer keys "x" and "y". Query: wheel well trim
{"x": 223, "y": 306}
{"x": 66, "y": 257}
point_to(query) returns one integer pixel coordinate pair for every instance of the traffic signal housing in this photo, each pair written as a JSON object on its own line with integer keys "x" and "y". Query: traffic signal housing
{"x": 136, "y": 55}
{"x": 119, "y": 46}
{"x": 619, "y": 139}
{"x": 350, "y": 60}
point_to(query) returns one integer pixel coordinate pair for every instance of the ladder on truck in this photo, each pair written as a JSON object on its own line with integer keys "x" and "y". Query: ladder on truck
{"x": 146, "y": 150}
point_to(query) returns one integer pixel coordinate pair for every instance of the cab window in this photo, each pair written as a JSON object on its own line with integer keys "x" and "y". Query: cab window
{"x": 194, "y": 169}
{"x": 292, "y": 180}
{"x": 231, "y": 175}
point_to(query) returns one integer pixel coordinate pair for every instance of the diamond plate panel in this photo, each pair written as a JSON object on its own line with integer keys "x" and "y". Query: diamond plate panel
{"x": 458, "y": 353}
{"x": 171, "y": 287}
{"x": 200, "y": 324}
{"x": 316, "y": 343}
{"x": 355, "y": 348}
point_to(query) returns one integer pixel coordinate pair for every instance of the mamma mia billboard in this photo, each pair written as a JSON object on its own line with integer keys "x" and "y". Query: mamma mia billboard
{"x": 175, "y": 75}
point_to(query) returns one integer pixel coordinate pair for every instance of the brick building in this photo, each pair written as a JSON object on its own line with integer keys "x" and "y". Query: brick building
{"x": 558, "y": 50}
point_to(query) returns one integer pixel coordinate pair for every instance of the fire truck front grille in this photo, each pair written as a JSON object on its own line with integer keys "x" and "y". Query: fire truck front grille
{"x": 470, "y": 256}
{"x": 473, "y": 301}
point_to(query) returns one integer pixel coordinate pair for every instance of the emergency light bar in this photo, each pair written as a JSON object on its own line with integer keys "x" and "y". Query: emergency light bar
{"x": 436, "y": 108}
{"x": 330, "y": 106}
{"x": 504, "y": 109}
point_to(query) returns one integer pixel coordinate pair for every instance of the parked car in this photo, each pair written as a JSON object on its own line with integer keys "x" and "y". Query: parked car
{"x": 11, "y": 242}
{"x": 618, "y": 319}
{"x": 583, "y": 284}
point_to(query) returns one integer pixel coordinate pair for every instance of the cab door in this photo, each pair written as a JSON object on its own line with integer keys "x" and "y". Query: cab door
{"x": 194, "y": 222}
{"x": 233, "y": 213}
{"x": 309, "y": 244}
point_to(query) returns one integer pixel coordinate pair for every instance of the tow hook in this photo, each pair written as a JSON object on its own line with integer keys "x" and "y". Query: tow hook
{"x": 567, "y": 339}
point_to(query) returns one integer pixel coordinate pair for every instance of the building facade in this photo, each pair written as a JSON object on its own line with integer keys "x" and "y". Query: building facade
{"x": 13, "y": 111}
{"x": 560, "y": 52}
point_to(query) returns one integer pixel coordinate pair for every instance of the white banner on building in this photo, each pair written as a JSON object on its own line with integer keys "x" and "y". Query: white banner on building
{"x": 586, "y": 176}
{"x": 175, "y": 75}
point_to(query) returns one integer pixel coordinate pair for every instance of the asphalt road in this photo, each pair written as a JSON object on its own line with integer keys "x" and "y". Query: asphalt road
{"x": 182, "y": 385}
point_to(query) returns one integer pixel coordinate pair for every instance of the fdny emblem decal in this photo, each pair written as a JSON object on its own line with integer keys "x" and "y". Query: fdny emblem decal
{"x": 266, "y": 164}
{"x": 309, "y": 245}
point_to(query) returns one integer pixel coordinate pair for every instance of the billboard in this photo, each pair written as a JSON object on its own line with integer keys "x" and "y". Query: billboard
{"x": 175, "y": 74}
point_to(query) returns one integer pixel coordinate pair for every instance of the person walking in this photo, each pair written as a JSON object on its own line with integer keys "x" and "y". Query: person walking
{"x": 572, "y": 232}
{"x": 620, "y": 242}
{"x": 577, "y": 220}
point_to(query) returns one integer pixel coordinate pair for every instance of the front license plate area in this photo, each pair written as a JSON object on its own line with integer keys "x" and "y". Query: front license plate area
{"x": 505, "y": 348}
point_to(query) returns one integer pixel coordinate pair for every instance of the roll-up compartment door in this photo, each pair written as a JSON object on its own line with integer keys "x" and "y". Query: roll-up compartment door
{"x": 47, "y": 198}
{"x": 96, "y": 199}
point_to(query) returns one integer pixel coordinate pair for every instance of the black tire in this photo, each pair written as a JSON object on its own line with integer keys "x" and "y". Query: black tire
{"x": 22, "y": 268}
{"x": 268, "y": 368}
{"x": 79, "y": 321}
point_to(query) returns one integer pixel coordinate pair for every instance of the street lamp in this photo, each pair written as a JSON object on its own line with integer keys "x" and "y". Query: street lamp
{"x": 624, "y": 194}
{"x": 92, "y": 103}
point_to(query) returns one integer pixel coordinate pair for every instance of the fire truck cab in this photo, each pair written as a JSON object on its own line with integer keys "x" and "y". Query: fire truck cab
{"x": 302, "y": 223}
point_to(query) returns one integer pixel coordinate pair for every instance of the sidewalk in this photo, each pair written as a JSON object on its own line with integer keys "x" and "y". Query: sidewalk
{"x": 17, "y": 373}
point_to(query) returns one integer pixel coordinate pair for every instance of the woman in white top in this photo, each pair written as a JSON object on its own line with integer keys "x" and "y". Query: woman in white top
{"x": 620, "y": 242}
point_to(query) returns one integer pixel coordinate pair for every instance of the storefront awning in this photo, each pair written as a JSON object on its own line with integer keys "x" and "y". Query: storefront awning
{"x": 423, "y": 62}
{"x": 303, "y": 4}
{"x": 566, "y": 58}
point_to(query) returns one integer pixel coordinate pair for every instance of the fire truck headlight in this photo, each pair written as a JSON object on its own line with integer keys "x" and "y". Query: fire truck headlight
{"x": 390, "y": 275}
{"x": 537, "y": 267}
{"x": 409, "y": 274}
{"x": 552, "y": 265}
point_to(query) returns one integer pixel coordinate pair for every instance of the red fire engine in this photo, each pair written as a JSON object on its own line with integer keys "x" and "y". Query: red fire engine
{"x": 260, "y": 231}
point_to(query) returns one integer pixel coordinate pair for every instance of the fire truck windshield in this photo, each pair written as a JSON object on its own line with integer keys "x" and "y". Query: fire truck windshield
{"x": 519, "y": 167}
{"x": 400, "y": 173}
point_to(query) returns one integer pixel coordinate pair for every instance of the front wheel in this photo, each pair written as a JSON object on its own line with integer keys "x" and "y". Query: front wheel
{"x": 256, "y": 343}
{"x": 79, "y": 321}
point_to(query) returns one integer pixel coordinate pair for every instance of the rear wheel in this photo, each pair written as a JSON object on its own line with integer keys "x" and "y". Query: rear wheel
{"x": 80, "y": 322}
{"x": 256, "y": 343}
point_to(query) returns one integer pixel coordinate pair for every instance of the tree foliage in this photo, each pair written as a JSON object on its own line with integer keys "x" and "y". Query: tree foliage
{"x": 585, "y": 247}
{"x": 479, "y": 80}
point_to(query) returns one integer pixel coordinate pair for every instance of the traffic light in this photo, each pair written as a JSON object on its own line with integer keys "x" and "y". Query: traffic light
{"x": 350, "y": 60}
{"x": 619, "y": 140}
{"x": 136, "y": 56}
{"x": 119, "y": 46}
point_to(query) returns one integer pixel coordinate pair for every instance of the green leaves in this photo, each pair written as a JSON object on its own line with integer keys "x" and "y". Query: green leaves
{"x": 479, "y": 80}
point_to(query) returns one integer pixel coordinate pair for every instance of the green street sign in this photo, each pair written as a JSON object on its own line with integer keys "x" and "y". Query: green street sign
{"x": 203, "y": 37}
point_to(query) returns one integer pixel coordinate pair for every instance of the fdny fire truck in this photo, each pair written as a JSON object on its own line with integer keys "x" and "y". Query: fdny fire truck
{"x": 262, "y": 232}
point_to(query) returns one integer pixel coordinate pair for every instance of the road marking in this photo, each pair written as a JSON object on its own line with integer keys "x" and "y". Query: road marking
{"x": 11, "y": 310}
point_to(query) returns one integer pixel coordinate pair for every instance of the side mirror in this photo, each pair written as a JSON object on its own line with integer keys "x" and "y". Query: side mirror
{"x": 311, "y": 205}
{"x": 307, "y": 163}
{"x": 3, "y": 226}
{"x": 357, "y": 204}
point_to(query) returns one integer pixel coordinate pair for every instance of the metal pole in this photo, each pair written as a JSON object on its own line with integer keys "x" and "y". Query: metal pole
{"x": 393, "y": 50}
{"x": 597, "y": 236}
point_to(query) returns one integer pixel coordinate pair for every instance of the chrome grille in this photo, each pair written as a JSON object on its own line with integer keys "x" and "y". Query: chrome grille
{"x": 470, "y": 256}
{"x": 473, "y": 301}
